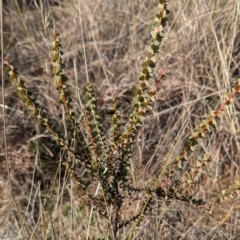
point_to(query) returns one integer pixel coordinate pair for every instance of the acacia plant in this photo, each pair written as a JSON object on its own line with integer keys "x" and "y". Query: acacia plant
{"x": 107, "y": 160}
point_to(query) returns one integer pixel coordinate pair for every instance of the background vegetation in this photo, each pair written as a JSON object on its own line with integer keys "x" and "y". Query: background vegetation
{"x": 201, "y": 57}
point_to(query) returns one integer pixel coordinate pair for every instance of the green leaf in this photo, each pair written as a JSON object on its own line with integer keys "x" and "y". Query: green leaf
{"x": 162, "y": 34}
{"x": 213, "y": 122}
{"x": 155, "y": 48}
{"x": 201, "y": 135}
{"x": 229, "y": 95}
{"x": 156, "y": 43}
{"x": 142, "y": 77}
{"x": 192, "y": 148}
{"x": 195, "y": 134}
{"x": 36, "y": 113}
{"x": 28, "y": 102}
{"x": 139, "y": 91}
{"x": 145, "y": 71}
{"x": 164, "y": 21}
{"x": 156, "y": 23}
{"x": 124, "y": 136}
{"x": 180, "y": 165}
{"x": 153, "y": 33}
{"x": 67, "y": 93}
{"x": 152, "y": 65}
{"x": 141, "y": 99}
{"x": 149, "y": 49}
{"x": 29, "y": 93}
{"x": 199, "y": 164}
{"x": 11, "y": 74}
{"x": 205, "y": 122}
{"x": 190, "y": 181}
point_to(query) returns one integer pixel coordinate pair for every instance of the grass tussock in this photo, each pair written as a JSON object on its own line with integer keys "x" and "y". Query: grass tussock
{"x": 104, "y": 44}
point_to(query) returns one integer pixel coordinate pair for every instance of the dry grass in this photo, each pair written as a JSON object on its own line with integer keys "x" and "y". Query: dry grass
{"x": 201, "y": 54}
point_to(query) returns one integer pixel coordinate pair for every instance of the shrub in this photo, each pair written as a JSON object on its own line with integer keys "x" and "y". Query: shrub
{"x": 106, "y": 187}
